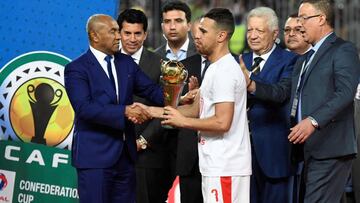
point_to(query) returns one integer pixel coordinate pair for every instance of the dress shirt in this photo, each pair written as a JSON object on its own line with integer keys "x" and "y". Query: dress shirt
{"x": 136, "y": 56}
{"x": 181, "y": 54}
{"x": 264, "y": 57}
{"x": 100, "y": 57}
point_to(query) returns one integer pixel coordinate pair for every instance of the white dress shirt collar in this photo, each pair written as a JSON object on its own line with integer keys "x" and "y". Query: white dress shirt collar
{"x": 264, "y": 56}
{"x": 136, "y": 56}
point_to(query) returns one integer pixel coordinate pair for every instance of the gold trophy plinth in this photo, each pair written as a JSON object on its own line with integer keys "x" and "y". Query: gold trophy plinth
{"x": 172, "y": 79}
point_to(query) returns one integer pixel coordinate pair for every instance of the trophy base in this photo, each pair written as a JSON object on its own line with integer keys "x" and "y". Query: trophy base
{"x": 167, "y": 126}
{"x": 38, "y": 140}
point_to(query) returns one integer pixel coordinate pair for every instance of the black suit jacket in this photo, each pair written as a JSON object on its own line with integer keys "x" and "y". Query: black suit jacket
{"x": 152, "y": 157}
{"x": 327, "y": 95}
{"x": 187, "y": 151}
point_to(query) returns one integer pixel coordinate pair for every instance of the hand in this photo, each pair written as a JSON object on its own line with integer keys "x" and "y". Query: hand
{"x": 189, "y": 97}
{"x": 251, "y": 86}
{"x": 244, "y": 70}
{"x": 301, "y": 132}
{"x": 138, "y": 146}
{"x": 173, "y": 117}
{"x": 137, "y": 113}
{"x": 193, "y": 83}
{"x": 156, "y": 112}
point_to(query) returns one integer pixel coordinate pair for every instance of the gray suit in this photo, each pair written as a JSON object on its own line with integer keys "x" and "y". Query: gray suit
{"x": 327, "y": 95}
{"x": 356, "y": 165}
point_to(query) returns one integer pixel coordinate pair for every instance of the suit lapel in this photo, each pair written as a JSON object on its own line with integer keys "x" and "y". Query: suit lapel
{"x": 101, "y": 75}
{"x": 272, "y": 61}
{"x": 191, "y": 49}
{"x": 122, "y": 74}
{"x": 322, "y": 50}
{"x": 143, "y": 59}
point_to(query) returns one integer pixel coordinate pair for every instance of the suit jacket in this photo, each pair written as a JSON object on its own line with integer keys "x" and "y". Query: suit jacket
{"x": 152, "y": 157}
{"x": 327, "y": 95}
{"x": 100, "y": 121}
{"x": 190, "y": 52}
{"x": 356, "y": 164}
{"x": 269, "y": 124}
{"x": 187, "y": 149}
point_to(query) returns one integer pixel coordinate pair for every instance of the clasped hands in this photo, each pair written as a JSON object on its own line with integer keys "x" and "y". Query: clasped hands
{"x": 139, "y": 113}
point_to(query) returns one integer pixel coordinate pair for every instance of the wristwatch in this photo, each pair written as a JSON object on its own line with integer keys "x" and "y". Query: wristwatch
{"x": 142, "y": 142}
{"x": 313, "y": 122}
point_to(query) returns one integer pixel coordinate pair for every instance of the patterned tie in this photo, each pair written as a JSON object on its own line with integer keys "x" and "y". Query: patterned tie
{"x": 207, "y": 64}
{"x": 111, "y": 76}
{"x": 255, "y": 68}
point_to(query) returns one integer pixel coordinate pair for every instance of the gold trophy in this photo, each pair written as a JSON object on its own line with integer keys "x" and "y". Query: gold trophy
{"x": 172, "y": 79}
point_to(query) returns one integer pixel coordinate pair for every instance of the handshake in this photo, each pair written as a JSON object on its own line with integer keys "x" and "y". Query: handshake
{"x": 139, "y": 113}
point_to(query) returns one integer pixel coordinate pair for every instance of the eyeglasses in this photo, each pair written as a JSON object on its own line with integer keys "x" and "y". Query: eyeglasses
{"x": 303, "y": 18}
{"x": 296, "y": 30}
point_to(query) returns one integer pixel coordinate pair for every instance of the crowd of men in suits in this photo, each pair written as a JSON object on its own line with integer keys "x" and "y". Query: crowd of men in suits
{"x": 300, "y": 107}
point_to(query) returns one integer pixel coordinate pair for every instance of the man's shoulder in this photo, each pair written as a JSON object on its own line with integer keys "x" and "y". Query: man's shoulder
{"x": 283, "y": 52}
{"x": 161, "y": 50}
{"x": 120, "y": 57}
{"x": 84, "y": 57}
{"x": 148, "y": 54}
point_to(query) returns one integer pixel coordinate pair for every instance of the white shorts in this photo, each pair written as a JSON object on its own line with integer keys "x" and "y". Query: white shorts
{"x": 226, "y": 189}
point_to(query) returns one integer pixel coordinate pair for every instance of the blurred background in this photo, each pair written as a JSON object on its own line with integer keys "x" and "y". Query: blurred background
{"x": 347, "y": 17}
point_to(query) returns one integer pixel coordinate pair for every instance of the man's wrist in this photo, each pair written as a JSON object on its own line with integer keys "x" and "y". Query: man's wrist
{"x": 313, "y": 122}
{"x": 142, "y": 142}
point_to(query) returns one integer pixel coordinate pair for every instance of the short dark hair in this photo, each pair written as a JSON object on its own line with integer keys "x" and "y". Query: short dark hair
{"x": 177, "y": 5}
{"x": 133, "y": 16}
{"x": 325, "y": 6}
{"x": 293, "y": 15}
{"x": 223, "y": 18}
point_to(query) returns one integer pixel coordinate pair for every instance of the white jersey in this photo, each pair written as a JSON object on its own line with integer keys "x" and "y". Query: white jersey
{"x": 227, "y": 154}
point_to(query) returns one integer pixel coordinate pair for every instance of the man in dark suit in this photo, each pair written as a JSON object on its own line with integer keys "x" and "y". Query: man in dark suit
{"x": 149, "y": 181}
{"x": 176, "y": 16}
{"x": 323, "y": 89}
{"x": 356, "y": 166}
{"x": 182, "y": 154}
{"x": 100, "y": 85}
{"x": 272, "y": 168}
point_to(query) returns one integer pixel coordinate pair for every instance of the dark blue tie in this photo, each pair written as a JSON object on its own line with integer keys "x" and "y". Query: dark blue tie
{"x": 306, "y": 67}
{"x": 111, "y": 76}
{"x": 207, "y": 64}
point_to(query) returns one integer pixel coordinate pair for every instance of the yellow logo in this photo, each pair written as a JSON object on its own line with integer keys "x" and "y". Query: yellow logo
{"x": 35, "y": 106}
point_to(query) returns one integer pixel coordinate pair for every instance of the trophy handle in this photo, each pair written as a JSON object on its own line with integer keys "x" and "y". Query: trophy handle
{"x": 58, "y": 93}
{"x": 31, "y": 89}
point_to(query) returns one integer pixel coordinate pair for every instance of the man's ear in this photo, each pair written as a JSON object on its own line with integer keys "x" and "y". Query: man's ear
{"x": 94, "y": 36}
{"x": 276, "y": 34}
{"x": 222, "y": 36}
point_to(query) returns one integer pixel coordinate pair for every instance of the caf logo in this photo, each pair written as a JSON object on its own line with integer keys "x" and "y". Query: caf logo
{"x": 34, "y": 106}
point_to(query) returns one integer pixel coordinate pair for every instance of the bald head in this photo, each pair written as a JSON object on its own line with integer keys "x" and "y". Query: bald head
{"x": 103, "y": 33}
{"x": 96, "y": 22}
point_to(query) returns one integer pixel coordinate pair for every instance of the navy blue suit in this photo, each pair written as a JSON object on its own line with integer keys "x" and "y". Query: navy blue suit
{"x": 269, "y": 128}
{"x": 103, "y": 137}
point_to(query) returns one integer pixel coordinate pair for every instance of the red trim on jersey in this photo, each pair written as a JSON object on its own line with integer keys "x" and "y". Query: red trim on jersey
{"x": 226, "y": 188}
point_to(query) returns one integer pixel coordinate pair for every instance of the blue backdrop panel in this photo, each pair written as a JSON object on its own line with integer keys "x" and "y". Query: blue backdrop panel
{"x": 51, "y": 25}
